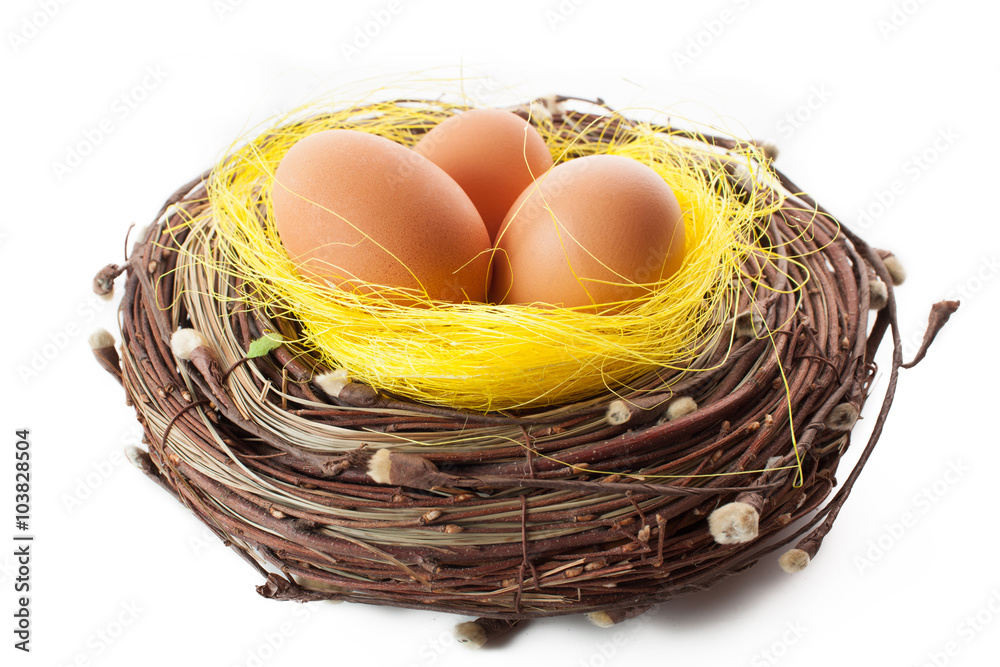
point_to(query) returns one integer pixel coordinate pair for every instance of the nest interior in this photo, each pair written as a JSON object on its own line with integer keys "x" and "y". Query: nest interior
{"x": 348, "y": 493}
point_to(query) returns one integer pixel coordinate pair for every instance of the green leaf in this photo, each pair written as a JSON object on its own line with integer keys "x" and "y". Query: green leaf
{"x": 264, "y": 344}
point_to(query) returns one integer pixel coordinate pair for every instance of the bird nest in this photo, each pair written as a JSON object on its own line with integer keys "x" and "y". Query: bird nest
{"x": 334, "y": 490}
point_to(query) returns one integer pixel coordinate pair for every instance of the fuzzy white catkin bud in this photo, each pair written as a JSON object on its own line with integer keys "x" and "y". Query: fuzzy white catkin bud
{"x": 681, "y": 407}
{"x": 184, "y": 341}
{"x": 601, "y": 619}
{"x": 895, "y": 268}
{"x": 793, "y": 560}
{"x": 749, "y": 325}
{"x": 617, "y": 413}
{"x": 101, "y": 339}
{"x": 379, "y": 466}
{"x": 842, "y": 417}
{"x": 878, "y": 295}
{"x": 471, "y": 634}
{"x": 734, "y": 523}
{"x": 332, "y": 382}
{"x": 136, "y": 457}
{"x": 770, "y": 150}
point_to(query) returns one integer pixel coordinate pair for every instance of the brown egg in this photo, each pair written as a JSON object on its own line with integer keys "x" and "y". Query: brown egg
{"x": 493, "y": 154}
{"x": 354, "y": 208}
{"x": 586, "y": 232}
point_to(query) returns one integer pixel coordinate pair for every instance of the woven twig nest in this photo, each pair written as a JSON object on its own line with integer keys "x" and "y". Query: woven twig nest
{"x": 333, "y": 490}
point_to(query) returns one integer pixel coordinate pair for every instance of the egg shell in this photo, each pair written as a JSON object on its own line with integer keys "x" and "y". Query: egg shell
{"x": 589, "y": 232}
{"x": 351, "y": 206}
{"x": 493, "y": 154}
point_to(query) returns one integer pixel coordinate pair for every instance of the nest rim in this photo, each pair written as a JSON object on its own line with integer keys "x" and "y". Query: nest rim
{"x": 642, "y": 543}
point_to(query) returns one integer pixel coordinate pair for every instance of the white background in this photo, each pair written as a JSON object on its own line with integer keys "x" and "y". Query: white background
{"x": 861, "y": 96}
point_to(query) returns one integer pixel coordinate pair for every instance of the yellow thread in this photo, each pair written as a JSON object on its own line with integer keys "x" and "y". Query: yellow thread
{"x": 487, "y": 357}
{"x": 799, "y": 476}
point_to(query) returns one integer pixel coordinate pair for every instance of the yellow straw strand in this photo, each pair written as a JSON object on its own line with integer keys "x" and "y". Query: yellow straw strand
{"x": 499, "y": 357}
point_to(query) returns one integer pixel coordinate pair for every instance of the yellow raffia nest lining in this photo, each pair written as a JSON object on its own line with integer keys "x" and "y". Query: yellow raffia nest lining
{"x": 489, "y": 357}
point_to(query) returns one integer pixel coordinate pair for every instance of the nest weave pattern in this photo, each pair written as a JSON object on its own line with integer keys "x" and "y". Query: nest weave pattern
{"x": 601, "y": 505}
